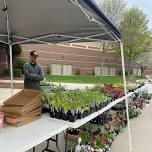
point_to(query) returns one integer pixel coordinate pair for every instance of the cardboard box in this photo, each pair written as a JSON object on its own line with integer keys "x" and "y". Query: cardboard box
{"x": 22, "y": 108}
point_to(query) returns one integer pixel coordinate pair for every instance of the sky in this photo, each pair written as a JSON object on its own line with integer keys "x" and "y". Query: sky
{"x": 145, "y": 5}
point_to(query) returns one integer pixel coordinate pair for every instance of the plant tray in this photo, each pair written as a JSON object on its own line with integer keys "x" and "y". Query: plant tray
{"x": 76, "y": 137}
{"x": 24, "y": 98}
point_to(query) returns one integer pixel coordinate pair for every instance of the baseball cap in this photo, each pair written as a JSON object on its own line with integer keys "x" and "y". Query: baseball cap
{"x": 34, "y": 53}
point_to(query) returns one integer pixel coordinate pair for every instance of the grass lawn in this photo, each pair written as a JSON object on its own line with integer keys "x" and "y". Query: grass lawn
{"x": 85, "y": 79}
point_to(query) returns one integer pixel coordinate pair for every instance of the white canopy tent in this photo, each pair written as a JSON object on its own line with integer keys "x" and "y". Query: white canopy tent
{"x": 56, "y": 21}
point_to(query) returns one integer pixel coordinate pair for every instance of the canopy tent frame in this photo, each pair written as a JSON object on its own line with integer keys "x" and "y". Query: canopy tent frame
{"x": 39, "y": 39}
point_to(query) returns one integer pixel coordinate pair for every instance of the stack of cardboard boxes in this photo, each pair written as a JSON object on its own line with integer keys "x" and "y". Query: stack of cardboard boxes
{"x": 22, "y": 108}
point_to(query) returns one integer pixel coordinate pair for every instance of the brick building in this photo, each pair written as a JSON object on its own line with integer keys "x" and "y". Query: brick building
{"x": 82, "y": 58}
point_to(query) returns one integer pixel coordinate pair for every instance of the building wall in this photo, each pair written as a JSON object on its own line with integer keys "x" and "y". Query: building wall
{"x": 3, "y": 60}
{"x": 84, "y": 59}
{"x": 79, "y": 57}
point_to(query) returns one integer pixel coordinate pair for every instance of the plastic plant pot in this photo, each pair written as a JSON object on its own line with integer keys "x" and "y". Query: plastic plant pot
{"x": 64, "y": 116}
{"x": 73, "y": 118}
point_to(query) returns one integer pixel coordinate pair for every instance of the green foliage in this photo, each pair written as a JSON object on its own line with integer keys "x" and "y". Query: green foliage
{"x": 7, "y": 72}
{"x": 86, "y": 138}
{"x": 75, "y": 100}
{"x": 114, "y": 9}
{"x": 120, "y": 106}
{"x": 133, "y": 113}
{"x": 77, "y": 71}
{"x": 90, "y": 127}
{"x": 16, "y": 72}
{"x": 72, "y": 145}
{"x": 16, "y": 49}
{"x": 21, "y": 64}
{"x": 136, "y": 35}
{"x": 84, "y": 79}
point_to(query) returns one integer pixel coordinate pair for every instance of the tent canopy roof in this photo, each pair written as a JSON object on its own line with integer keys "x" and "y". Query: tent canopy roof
{"x": 55, "y": 21}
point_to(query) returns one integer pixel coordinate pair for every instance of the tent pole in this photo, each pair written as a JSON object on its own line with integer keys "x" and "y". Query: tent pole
{"x": 11, "y": 67}
{"x": 9, "y": 43}
{"x": 125, "y": 90}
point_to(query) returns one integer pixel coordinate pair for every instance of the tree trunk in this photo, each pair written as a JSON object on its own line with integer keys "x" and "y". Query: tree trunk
{"x": 128, "y": 69}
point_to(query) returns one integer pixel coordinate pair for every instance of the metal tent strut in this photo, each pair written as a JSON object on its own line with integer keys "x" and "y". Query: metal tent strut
{"x": 125, "y": 90}
{"x": 9, "y": 43}
{"x": 39, "y": 39}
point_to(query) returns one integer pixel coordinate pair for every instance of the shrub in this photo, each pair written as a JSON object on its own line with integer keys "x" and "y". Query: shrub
{"x": 7, "y": 72}
{"x": 77, "y": 71}
{"x": 17, "y": 72}
{"x": 21, "y": 64}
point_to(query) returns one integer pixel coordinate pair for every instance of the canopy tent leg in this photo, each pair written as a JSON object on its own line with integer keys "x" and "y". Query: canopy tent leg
{"x": 11, "y": 67}
{"x": 125, "y": 90}
{"x": 10, "y": 43}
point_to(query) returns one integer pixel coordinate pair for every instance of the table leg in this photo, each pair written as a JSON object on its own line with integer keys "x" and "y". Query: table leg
{"x": 66, "y": 140}
{"x": 47, "y": 147}
{"x": 33, "y": 149}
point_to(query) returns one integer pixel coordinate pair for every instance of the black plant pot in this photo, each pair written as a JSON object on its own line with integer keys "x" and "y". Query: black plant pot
{"x": 85, "y": 114}
{"x": 80, "y": 115}
{"x": 104, "y": 104}
{"x": 97, "y": 107}
{"x": 45, "y": 110}
{"x": 64, "y": 116}
{"x": 113, "y": 98}
{"x": 52, "y": 114}
{"x": 73, "y": 132}
{"x": 101, "y": 106}
{"x": 73, "y": 118}
{"x": 58, "y": 114}
{"x": 90, "y": 112}
{"x": 131, "y": 90}
{"x": 93, "y": 110}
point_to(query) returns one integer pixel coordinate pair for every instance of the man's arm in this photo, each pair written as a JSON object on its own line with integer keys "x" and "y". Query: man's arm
{"x": 41, "y": 74}
{"x": 29, "y": 75}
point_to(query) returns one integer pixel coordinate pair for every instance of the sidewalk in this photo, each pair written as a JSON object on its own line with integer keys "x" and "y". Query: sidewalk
{"x": 19, "y": 83}
{"x": 141, "y": 133}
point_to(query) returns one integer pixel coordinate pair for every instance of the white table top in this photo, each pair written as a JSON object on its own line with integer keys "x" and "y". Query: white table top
{"x": 24, "y": 138}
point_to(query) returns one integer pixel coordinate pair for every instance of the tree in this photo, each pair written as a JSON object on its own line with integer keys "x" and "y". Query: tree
{"x": 144, "y": 61}
{"x": 16, "y": 50}
{"x": 114, "y": 9}
{"x": 136, "y": 35}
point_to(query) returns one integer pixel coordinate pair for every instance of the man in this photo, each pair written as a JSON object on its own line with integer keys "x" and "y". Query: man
{"x": 33, "y": 73}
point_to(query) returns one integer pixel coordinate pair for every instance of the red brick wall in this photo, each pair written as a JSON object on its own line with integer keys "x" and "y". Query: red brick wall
{"x": 81, "y": 58}
{"x": 3, "y": 60}
{"x": 84, "y": 59}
